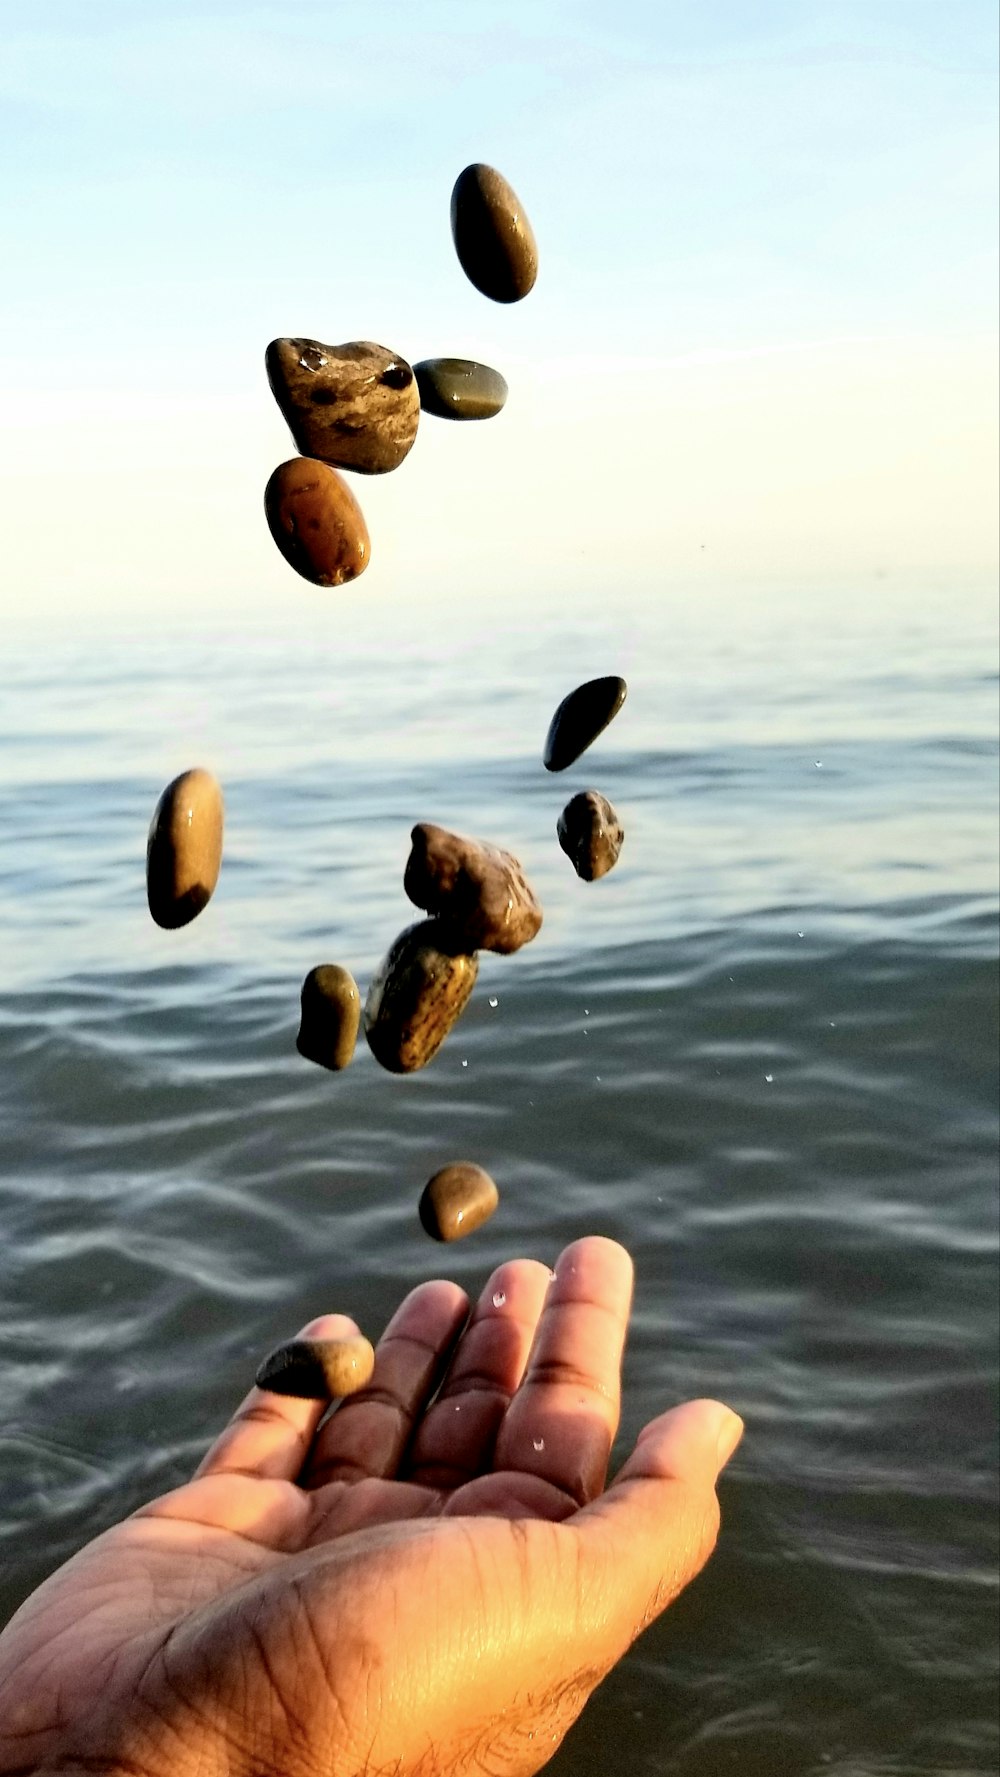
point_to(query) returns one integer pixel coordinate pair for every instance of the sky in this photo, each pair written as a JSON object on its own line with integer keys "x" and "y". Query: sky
{"x": 762, "y": 344}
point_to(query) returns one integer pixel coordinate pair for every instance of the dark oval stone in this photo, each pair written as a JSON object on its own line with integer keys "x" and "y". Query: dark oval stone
{"x": 580, "y": 718}
{"x": 493, "y": 237}
{"x": 457, "y": 1201}
{"x": 459, "y": 388}
{"x": 316, "y": 522}
{"x": 590, "y": 834}
{"x": 317, "y": 1369}
{"x": 331, "y": 1013}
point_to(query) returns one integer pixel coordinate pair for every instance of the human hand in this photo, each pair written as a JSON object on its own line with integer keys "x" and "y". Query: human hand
{"x": 422, "y": 1583}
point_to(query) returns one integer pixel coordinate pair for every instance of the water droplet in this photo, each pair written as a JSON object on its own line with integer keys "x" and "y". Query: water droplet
{"x": 586, "y": 1011}
{"x": 494, "y": 1001}
{"x": 597, "y": 1077}
{"x": 538, "y": 1443}
{"x": 802, "y": 934}
{"x": 819, "y": 765}
{"x": 458, "y": 1407}
{"x": 769, "y": 1078}
{"x": 311, "y": 358}
{"x": 586, "y": 1031}
{"x": 499, "y": 1298}
{"x": 465, "y": 1064}
{"x": 832, "y": 1025}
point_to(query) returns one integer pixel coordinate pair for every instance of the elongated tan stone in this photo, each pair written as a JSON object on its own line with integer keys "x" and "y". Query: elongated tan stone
{"x": 459, "y": 388}
{"x": 318, "y": 1369}
{"x": 420, "y": 988}
{"x": 184, "y": 848}
{"x": 493, "y": 238}
{"x": 580, "y": 718}
{"x": 331, "y": 1014}
{"x": 480, "y": 891}
{"x": 590, "y": 834}
{"x": 316, "y": 522}
{"x": 355, "y": 405}
{"x": 457, "y": 1201}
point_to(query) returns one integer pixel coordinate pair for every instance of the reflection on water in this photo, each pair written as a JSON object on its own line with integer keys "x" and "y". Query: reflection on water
{"x": 762, "y": 1052}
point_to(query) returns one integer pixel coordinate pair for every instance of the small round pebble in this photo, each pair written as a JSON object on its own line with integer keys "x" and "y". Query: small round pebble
{"x": 459, "y": 388}
{"x": 493, "y": 238}
{"x": 457, "y": 1201}
{"x": 184, "y": 848}
{"x": 318, "y": 1369}
{"x": 316, "y": 522}
{"x": 580, "y": 718}
{"x": 331, "y": 1014}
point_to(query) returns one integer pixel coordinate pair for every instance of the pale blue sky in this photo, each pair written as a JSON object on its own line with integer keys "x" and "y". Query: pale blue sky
{"x": 766, "y": 307}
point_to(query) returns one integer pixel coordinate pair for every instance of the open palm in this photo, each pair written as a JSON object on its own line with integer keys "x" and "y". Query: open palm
{"x": 431, "y": 1579}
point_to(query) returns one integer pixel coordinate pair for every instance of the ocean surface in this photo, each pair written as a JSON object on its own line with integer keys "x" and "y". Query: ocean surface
{"x": 762, "y": 1053}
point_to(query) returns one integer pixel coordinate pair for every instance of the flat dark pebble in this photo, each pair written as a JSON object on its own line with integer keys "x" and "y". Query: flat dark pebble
{"x": 580, "y": 718}
{"x": 459, "y": 388}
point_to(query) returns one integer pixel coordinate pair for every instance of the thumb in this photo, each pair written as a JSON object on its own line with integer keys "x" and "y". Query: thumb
{"x": 654, "y": 1529}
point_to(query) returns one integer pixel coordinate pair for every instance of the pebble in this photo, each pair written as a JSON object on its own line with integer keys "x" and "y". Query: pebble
{"x": 355, "y": 406}
{"x": 331, "y": 1014}
{"x": 457, "y": 1201}
{"x": 580, "y": 718}
{"x": 419, "y": 990}
{"x": 493, "y": 237}
{"x": 480, "y": 891}
{"x": 459, "y": 388}
{"x": 184, "y": 848}
{"x": 316, "y": 522}
{"x": 590, "y": 834}
{"x": 318, "y": 1369}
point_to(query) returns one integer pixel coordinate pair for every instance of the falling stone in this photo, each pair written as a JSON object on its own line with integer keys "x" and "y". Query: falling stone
{"x": 493, "y": 237}
{"x": 184, "y": 848}
{"x": 316, "y": 522}
{"x": 331, "y": 1013}
{"x": 318, "y": 1369}
{"x": 580, "y": 718}
{"x": 459, "y": 388}
{"x": 479, "y": 890}
{"x": 457, "y": 1201}
{"x": 355, "y": 406}
{"x": 420, "y": 988}
{"x": 590, "y": 834}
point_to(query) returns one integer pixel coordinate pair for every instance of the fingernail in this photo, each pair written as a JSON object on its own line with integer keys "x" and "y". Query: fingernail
{"x": 729, "y": 1435}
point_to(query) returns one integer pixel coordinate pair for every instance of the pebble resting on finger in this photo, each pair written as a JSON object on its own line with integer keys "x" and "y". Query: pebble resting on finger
{"x": 317, "y": 1369}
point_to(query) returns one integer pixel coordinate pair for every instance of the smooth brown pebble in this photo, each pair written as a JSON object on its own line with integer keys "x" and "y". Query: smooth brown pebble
{"x": 331, "y": 1013}
{"x": 457, "y": 1201}
{"x": 480, "y": 891}
{"x": 493, "y": 238}
{"x": 184, "y": 848}
{"x": 580, "y": 718}
{"x": 420, "y": 988}
{"x": 318, "y": 1369}
{"x": 590, "y": 834}
{"x": 316, "y": 522}
{"x": 355, "y": 405}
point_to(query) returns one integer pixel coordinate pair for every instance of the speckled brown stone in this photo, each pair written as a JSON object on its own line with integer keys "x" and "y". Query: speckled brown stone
{"x": 457, "y": 1201}
{"x": 331, "y": 1013}
{"x": 184, "y": 848}
{"x": 580, "y": 718}
{"x": 493, "y": 237}
{"x": 479, "y": 890}
{"x": 459, "y": 388}
{"x": 316, "y": 522}
{"x": 420, "y": 988}
{"x": 590, "y": 834}
{"x": 355, "y": 406}
{"x": 318, "y": 1369}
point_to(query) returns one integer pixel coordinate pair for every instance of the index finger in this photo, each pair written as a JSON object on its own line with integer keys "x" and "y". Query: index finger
{"x": 562, "y": 1421}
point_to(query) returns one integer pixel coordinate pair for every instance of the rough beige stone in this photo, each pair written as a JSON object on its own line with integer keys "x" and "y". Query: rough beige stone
{"x": 590, "y": 834}
{"x": 355, "y": 405}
